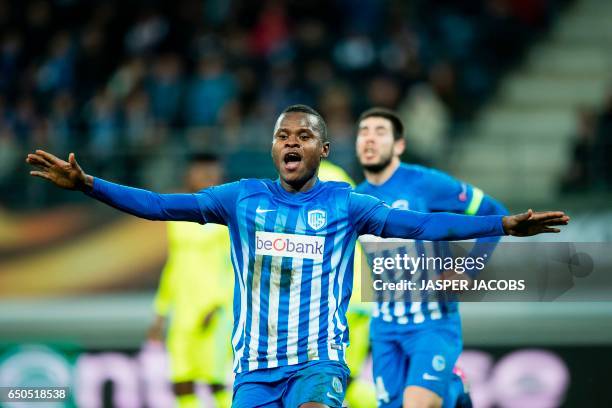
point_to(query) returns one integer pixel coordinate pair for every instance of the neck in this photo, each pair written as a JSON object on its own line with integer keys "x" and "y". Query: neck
{"x": 384, "y": 175}
{"x": 299, "y": 186}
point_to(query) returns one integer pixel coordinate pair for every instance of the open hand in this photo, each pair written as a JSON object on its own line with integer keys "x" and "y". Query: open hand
{"x": 533, "y": 223}
{"x": 64, "y": 174}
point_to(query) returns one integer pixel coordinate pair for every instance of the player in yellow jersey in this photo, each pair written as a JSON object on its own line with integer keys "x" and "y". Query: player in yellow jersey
{"x": 194, "y": 295}
{"x": 359, "y": 394}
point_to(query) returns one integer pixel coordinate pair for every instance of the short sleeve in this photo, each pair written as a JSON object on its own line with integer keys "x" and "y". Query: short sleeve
{"x": 446, "y": 193}
{"x": 218, "y": 203}
{"x": 368, "y": 214}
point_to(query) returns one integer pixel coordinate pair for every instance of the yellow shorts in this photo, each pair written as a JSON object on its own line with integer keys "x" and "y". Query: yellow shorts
{"x": 201, "y": 355}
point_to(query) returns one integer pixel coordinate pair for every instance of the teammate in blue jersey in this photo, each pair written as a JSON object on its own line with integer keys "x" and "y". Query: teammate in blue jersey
{"x": 414, "y": 344}
{"x": 292, "y": 242}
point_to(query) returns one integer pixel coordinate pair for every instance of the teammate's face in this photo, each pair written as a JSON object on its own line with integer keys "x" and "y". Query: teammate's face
{"x": 297, "y": 148}
{"x": 375, "y": 144}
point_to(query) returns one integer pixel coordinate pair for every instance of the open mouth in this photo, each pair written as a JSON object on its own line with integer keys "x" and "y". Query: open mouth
{"x": 368, "y": 153}
{"x": 292, "y": 160}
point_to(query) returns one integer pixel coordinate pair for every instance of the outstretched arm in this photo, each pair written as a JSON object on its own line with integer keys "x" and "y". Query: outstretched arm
{"x": 141, "y": 203}
{"x": 370, "y": 215}
{"x": 446, "y": 227}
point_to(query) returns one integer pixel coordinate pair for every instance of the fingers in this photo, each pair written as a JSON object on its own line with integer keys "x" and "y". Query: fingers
{"x": 556, "y": 221}
{"x": 49, "y": 157}
{"x": 549, "y": 219}
{"x": 73, "y": 162}
{"x": 37, "y": 160}
{"x": 41, "y": 174}
{"x": 549, "y": 214}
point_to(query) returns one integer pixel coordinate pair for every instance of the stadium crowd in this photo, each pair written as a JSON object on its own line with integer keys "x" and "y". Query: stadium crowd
{"x": 125, "y": 83}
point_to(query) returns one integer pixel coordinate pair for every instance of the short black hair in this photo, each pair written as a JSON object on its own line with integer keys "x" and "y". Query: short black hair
{"x": 321, "y": 126}
{"x": 396, "y": 122}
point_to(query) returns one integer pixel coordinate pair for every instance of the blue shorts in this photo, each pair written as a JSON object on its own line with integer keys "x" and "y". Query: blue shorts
{"x": 290, "y": 386}
{"x": 415, "y": 355}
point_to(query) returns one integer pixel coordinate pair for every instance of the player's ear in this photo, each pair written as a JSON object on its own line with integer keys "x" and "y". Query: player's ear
{"x": 325, "y": 150}
{"x": 399, "y": 146}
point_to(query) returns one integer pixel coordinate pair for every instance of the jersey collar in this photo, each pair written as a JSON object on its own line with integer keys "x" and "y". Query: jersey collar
{"x": 299, "y": 196}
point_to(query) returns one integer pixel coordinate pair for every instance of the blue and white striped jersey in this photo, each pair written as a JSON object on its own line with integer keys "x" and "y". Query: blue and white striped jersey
{"x": 425, "y": 190}
{"x": 293, "y": 262}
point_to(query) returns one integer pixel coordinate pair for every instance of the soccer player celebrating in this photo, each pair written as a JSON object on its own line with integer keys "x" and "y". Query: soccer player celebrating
{"x": 194, "y": 294}
{"x": 414, "y": 344}
{"x": 292, "y": 242}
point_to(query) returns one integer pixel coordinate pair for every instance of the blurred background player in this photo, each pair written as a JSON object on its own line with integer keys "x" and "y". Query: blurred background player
{"x": 414, "y": 344}
{"x": 359, "y": 393}
{"x": 194, "y": 294}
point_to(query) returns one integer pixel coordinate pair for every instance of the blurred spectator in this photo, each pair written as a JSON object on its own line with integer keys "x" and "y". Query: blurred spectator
{"x": 141, "y": 137}
{"x": 63, "y": 124}
{"x": 283, "y": 89}
{"x": 101, "y": 122}
{"x": 270, "y": 32}
{"x": 209, "y": 92}
{"x": 579, "y": 175}
{"x": 56, "y": 73}
{"x": 165, "y": 86}
{"x": 318, "y": 74}
{"x": 354, "y": 53}
{"x": 384, "y": 91}
{"x": 427, "y": 124}
{"x": 128, "y": 77}
{"x": 335, "y": 103}
{"x": 25, "y": 119}
{"x": 139, "y": 124}
{"x": 443, "y": 80}
{"x": 399, "y": 53}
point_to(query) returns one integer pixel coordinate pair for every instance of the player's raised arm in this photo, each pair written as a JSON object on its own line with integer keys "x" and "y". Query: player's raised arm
{"x": 138, "y": 202}
{"x": 371, "y": 216}
{"x": 447, "y": 227}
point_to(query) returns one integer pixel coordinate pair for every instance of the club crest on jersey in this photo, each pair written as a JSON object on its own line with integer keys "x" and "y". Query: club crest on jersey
{"x": 317, "y": 219}
{"x": 438, "y": 363}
